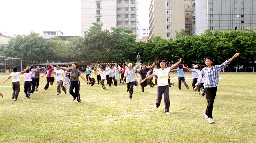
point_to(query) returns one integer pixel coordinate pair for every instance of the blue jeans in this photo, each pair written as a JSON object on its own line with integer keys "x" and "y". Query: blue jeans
{"x": 76, "y": 85}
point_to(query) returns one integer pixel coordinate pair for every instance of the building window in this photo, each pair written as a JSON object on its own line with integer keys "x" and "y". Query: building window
{"x": 126, "y": 23}
{"x": 132, "y": 1}
{"x": 126, "y": 1}
{"x": 186, "y": 6}
{"x": 242, "y": 21}
{"x": 187, "y": 19}
{"x": 168, "y": 19}
{"x": 119, "y": 16}
{"x": 119, "y": 9}
{"x": 168, "y": 34}
{"x": 168, "y": 11}
{"x": 133, "y": 29}
{"x": 168, "y": 26}
{"x": 187, "y": 13}
{"x": 133, "y": 8}
{"x": 242, "y": 15}
{"x": 133, "y": 22}
{"x": 126, "y": 9}
{"x": 168, "y": 3}
{"x": 133, "y": 15}
{"x": 119, "y": 1}
{"x": 119, "y": 23}
{"x": 187, "y": 26}
{"x": 98, "y": 20}
{"x": 98, "y": 12}
{"x": 98, "y": 5}
{"x": 126, "y": 16}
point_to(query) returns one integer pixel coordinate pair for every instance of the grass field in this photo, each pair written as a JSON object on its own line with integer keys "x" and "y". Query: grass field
{"x": 110, "y": 116}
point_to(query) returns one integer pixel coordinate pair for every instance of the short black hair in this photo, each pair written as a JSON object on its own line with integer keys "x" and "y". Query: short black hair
{"x": 15, "y": 69}
{"x": 209, "y": 58}
{"x": 180, "y": 66}
{"x": 77, "y": 66}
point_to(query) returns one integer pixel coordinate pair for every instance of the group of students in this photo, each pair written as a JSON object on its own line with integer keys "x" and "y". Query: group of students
{"x": 207, "y": 77}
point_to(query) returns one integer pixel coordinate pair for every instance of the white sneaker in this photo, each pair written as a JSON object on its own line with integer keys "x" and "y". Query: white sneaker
{"x": 58, "y": 93}
{"x": 155, "y": 107}
{"x": 198, "y": 92}
{"x": 205, "y": 116}
{"x": 167, "y": 113}
{"x": 194, "y": 92}
{"x": 14, "y": 99}
{"x": 142, "y": 92}
{"x": 210, "y": 120}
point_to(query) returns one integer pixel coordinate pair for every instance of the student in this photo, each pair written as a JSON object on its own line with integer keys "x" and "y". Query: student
{"x": 59, "y": 78}
{"x": 28, "y": 81}
{"x": 107, "y": 73}
{"x": 92, "y": 76}
{"x": 66, "y": 78}
{"x": 181, "y": 77}
{"x": 163, "y": 86}
{"x": 112, "y": 76}
{"x": 122, "y": 72}
{"x": 211, "y": 77}
{"x": 150, "y": 71}
{"x": 98, "y": 74}
{"x": 201, "y": 86}
{"x": 117, "y": 73}
{"x": 194, "y": 75}
{"x": 49, "y": 77}
{"x": 33, "y": 83}
{"x": 37, "y": 77}
{"x": 130, "y": 78}
{"x": 143, "y": 75}
{"x": 103, "y": 77}
{"x": 88, "y": 72}
{"x": 15, "y": 82}
{"x": 74, "y": 81}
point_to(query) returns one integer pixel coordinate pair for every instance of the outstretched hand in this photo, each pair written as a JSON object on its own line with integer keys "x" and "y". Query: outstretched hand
{"x": 236, "y": 55}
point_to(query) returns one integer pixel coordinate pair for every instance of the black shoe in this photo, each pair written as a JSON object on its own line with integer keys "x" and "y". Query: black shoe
{"x": 203, "y": 94}
{"x": 74, "y": 98}
{"x": 79, "y": 101}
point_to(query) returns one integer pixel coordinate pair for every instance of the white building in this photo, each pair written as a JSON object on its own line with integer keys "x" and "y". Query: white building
{"x": 199, "y": 24}
{"x": 50, "y": 34}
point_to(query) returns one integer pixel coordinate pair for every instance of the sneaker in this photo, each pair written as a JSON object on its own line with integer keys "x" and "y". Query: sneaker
{"x": 155, "y": 107}
{"x": 167, "y": 113}
{"x": 198, "y": 92}
{"x": 194, "y": 92}
{"x": 203, "y": 94}
{"x": 210, "y": 120}
{"x": 58, "y": 93}
{"x": 142, "y": 92}
{"x": 205, "y": 116}
{"x": 14, "y": 99}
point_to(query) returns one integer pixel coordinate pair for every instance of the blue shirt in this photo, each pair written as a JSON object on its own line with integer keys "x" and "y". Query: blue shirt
{"x": 180, "y": 72}
{"x": 194, "y": 74}
{"x": 88, "y": 70}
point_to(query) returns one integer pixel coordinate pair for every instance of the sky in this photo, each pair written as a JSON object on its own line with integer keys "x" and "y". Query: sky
{"x": 19, "y": 17}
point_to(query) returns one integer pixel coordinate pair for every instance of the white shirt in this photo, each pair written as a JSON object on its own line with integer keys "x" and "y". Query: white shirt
{"x": 107, "y": 70}
{"x": 59, "y": 74}
{"x": 117, "y": 74}
{"x": 130, "y": 75}
{"x": 15, "y": 76}
{"x": 162, "y": 76}
{"x": 103, "y": 74}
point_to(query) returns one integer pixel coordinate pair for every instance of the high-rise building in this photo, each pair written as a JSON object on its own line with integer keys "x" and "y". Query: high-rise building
{"x": 166, "y": 18}
{"x": 110, "y": 13}
{"x": 188, "y": 15}
{"x": 224, "y": 15}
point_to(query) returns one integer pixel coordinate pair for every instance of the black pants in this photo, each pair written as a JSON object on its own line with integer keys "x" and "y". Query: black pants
{"x": 143, "y": 85}
{"x": 110, "y": 81}
{"x": 98, "y": 79}
{"x": 50, "y": 80}
{"x": 150, "y": 82}
{"x": 88, "y": 77}
{"x": 122, "y": 77}
{"x": 160, "y": 91}
{"x": 76, "y": 85}
{"x": 102, "y": 83}
{"x": 183, "y": 80}
{"x": 60, "y": 85}
{"x": 130, "y": 88}
{"x": 201, "y": 87}
{"x": 16, "y": 90}
{"x": 107, "y": 78}
{"x": 27, "y": 88}
{"x": 210, "y": 96}
{"x": 37, "y": 82}
{"x": 92, "y": 81}
{"x": 33, "y": 84}
{"x": 194, "y": 82}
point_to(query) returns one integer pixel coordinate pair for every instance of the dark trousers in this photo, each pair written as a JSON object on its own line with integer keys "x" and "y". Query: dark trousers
{"x": 150, "y": 82}
{"x": 201, "y": 87}
{"x": 210, "y": 96}
{"x": 107, "y": 78}
{"x": 88, "y": 77}
{"x": 183, "y": 80}
{"x": 160, "y": 91}
{"x": 27, "y": 88}
{"x": 194, "y": 82}
{"x": 122, "y": 77}
{"x": 110, "y": 81}
{"x": 102, "y": 83}
{"x": 33, "y": 84}
{"x": 92, "y": 81}
{"x": 16, "y": 90}
{"x": 143, "y": 85}
{"x": 60, "y": 85}
{"x": 130, "y": 88}
{"x": 98, "y": 79}
{"x": 37, "y": 82}
{"x": 50, "y": 80}
{"x": 76, "y": 85}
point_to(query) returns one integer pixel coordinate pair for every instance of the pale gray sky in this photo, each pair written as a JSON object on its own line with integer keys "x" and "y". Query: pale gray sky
{"x": 23, "y": 16}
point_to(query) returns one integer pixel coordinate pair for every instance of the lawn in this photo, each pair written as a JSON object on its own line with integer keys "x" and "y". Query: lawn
{"x": 110, "y": 116}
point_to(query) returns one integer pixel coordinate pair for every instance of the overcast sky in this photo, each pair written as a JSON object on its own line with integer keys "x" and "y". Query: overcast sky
{"x": 23, "y": 16}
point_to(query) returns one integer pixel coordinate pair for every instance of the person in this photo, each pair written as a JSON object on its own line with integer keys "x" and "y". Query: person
{"x": 150, "y": 71}
{"x": 201, "y": 86}
{"x": 66, "y": 78}
{"x": 37, "y": 77}
{"x": 117, "y": 73}
{"x": 28, "y": 81}
{"x": 163, "y": 86}
{"x": 49, "y": 77}
{"x": 15, "y": 82}
{"x": 112, "y": 76}
{"x": 107, "y": 73}
{"x": 181, "y": 77}
{"x": 122, "y": 72}
{"x": 1, "y": 94}
{"x": 74, "y": 81}
{"x": 33, "y": 83}
{"x": 130, "y": 78}
{"x": 143, "y": 75}
{"x": 98, "y": 74}
{"x": 211, "y": 81}
{"x": 103, "y": 77}
{"x": 194, "y": 75}
{"x": 88, "y": 72}
{"x": 59, "y": 78}
{"x": 92, "y": 76}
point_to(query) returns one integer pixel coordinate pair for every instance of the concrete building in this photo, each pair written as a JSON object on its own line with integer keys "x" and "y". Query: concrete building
{"x": 188, "y": 15}
{"x": 166, "y": 18}
{"x": 98, "y": 11}
{"x": 223, "y": 15}
{"x": 50, "y": 34}
{"x": 110, "y": 13}
{"x": 4, "y": 39}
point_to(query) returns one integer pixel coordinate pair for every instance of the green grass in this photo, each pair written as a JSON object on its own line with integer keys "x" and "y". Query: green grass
{"x": 110, "y": 116}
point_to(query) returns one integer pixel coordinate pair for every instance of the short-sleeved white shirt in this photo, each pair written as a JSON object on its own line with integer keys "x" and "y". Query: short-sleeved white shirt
{"x": 15, "y": 76}
{"x": 162, "y": 76}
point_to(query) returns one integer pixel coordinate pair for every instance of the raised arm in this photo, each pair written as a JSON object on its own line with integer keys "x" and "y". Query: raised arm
{"x": 223, "y": 65}
{"x": 7, "y": 79}
{"x": 149, "y": 77}
{"x": 25, "y": 70}
{"x": 236, "y": 55}
{"x": 173, "y": 66}
{"x": 50, "y": 64}
{"x": 84, "y": 79}
{"x": 64, "y": 68}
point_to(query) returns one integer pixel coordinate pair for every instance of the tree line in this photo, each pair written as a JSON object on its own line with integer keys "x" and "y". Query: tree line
{"x": 119, "y": 45}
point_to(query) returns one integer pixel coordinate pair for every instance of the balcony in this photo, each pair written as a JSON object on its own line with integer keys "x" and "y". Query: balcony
{"x": 98, "y": 15}
{"x": 98, "y": 0}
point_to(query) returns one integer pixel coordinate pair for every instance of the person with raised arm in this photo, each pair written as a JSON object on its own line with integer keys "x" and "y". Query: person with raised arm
{"x": 163, "y": 86}
{"x": 74, "y": 81}
{"x": 211, "y": 81}
{"x": 49, "y": 77}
